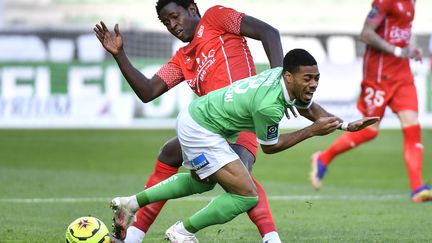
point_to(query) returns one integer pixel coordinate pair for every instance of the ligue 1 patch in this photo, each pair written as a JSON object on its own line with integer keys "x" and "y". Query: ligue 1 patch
{"x": 373, "y": 12}
{"x": 199, "y": 162}
{"x": 272, "y": 131}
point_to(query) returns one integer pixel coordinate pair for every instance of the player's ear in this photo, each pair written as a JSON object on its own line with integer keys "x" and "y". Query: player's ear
{"x": 288, "y": 77}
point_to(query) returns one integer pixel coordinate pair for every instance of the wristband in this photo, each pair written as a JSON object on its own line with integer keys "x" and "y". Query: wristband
{"x": 397, "y": 51}
{"x": 344, "y": 126}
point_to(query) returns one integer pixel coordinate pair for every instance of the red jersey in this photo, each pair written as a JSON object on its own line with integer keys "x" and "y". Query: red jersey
{"x": 217, "y": 56}
{"x": 394, "y": 20}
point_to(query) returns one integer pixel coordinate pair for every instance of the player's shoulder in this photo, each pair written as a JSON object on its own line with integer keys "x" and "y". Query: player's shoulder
{"x": 216, "y": 10}
{"x": 383, "y": 4}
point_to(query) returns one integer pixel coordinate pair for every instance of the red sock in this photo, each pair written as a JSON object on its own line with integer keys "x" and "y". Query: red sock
{"x": 413, "y": 155}
{"x": 147, "y": 215}
{"x": 260, "y": 214}
{"x": 347, "y": 141}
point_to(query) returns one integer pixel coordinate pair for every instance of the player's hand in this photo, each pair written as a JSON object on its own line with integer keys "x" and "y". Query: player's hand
{"x": 324, "y": 126}
{"x": 415, "y": 53}
{"x": 112, "y": 42}
{"x": 362, "y": 123}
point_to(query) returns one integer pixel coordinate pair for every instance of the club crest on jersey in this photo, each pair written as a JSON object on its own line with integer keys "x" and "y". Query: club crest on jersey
{"x": 272, "y": 131}
{"x": 199, "y": 162}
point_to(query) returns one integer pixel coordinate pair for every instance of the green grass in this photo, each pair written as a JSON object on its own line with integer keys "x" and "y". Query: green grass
{"x": 365, "y": 197}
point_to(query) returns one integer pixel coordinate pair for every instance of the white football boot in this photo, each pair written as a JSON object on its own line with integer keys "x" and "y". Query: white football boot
{"x": 174, "y": 236}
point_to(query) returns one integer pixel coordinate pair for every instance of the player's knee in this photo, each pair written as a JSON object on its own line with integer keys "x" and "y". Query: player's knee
{"x": 248, "y": 192}
{"x": 170, "y": 153}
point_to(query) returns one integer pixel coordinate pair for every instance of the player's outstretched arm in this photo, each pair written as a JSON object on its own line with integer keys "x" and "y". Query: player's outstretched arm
{"x": 146, "y": 89}
{"x": 370, "y": 37}
{"x": 320, "y": 127}
{"x": 315, "y": 112}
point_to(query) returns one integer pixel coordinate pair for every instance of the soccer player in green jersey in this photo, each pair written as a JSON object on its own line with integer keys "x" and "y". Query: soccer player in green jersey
{"x": 255, "y": 104}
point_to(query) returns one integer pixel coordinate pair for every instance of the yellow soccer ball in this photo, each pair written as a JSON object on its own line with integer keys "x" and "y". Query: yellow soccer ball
{"x": 87, "y": 229}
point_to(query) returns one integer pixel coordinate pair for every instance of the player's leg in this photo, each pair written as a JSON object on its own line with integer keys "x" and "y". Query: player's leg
{"x": 347, "y": 141}
{"x": 368, "y": 105}
{"x": 239, "y": 197}
{"x": 260, "y": 215}
{"x": 178, "y": 185}
{"x": 405, "y": 106}
{"x": 413, "y": 155}
{"x": 413, "y": 147}
{"x": 211, "y": 157}
{"x": 167, "y": 164}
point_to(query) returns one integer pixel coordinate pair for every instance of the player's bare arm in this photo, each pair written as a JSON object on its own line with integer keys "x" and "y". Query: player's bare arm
{"x": 320, "y": 127}
{"x": 267, "y": 34}
{"x": 270, "y": 38}
{"x": 146, "y": 89}
{"x": 315, "y": 111}
{"x": 370, "y": 37}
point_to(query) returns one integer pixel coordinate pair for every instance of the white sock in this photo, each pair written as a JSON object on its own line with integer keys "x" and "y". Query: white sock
{"x": 134, "y": 235}
{"x": 181, "y": 229}
{"x": 272, "y": 237}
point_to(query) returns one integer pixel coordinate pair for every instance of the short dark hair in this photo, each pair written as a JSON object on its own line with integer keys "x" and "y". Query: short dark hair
{"x": 296, "y": 58}
{"x": 160, "y": 4}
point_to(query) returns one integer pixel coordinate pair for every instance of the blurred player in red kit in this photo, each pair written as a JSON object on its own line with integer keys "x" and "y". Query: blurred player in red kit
{"x": 387, "y": 82}
{"x": 216, "y": 55}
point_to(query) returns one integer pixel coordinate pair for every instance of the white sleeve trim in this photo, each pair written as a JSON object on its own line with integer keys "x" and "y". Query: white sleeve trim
{"x": 271, "y": 142}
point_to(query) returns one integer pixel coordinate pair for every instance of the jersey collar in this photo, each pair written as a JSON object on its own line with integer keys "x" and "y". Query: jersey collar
{"x": 285, "y": 93}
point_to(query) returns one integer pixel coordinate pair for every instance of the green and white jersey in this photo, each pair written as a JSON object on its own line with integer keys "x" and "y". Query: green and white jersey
{"x": 256, "y": 104}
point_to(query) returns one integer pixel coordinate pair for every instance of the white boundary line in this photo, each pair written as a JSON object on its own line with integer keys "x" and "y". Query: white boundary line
{"x": 386, "y": 197}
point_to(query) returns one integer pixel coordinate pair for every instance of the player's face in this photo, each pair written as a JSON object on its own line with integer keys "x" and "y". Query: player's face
{"x": 303, "y": 84}
{"x": 180, "y": 22}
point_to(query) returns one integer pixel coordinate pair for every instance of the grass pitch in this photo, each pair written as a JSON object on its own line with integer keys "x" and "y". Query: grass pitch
{"x": 50, "y": 177}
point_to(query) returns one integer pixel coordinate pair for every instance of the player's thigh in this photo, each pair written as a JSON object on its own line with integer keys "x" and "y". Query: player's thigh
{"x": 373, "y": 99}
{"x": 405, "y": 104}
{"x": 246, "y": 157}
{"x": 234, "y": 178}
{"x": 170, "y": 153}
{"x": 203, "y": 150}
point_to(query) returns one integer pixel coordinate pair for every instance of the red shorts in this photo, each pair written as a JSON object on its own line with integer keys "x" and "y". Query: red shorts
{"x": 249, "y": 141}
{"x": 375, "y": 97}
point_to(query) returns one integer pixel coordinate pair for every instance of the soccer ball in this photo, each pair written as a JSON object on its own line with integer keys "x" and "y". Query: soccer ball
{"x": 87, "y": 229}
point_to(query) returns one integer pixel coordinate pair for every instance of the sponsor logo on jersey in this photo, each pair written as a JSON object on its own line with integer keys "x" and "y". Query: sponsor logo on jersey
{"x": 372, "y": 14}
{"x": 400, "y": 34}
{"x": 204, "y": 63}
{"x": 199, "y": 162}
{"x": 272, "y": 131}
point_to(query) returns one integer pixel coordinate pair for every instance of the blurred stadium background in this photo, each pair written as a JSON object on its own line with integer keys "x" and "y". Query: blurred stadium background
{"x": 54, "y": 72}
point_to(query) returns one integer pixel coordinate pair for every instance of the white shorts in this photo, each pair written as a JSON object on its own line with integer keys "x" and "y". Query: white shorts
{"x": 203, "y": 151}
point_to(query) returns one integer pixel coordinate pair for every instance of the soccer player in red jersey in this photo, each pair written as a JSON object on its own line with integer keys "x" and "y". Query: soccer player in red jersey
{"x": 216, "y": 55}
{"x": 387, "y": 81}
